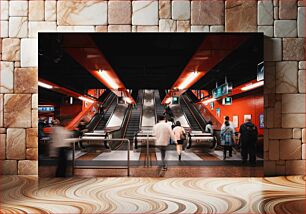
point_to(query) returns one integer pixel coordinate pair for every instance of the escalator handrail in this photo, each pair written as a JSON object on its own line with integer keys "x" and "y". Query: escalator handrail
{"x": 140, "y": 96}
{"x": 202, "y": 128}
{"x": 141, "y": 112}
{"x": 107, "y": 98}
{"x": 91, "y": 121}
{"x": 126, "y": 120}
{"x": 106, "y": 109}
{"x": 197, "y": 111}
{"x": 110, "y": 117}
{"x": 186, "y": 117}
{"x": 155, "y": 107}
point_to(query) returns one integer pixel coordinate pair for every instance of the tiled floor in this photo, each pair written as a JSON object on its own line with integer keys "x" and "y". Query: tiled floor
{"x": 155, "y": 195}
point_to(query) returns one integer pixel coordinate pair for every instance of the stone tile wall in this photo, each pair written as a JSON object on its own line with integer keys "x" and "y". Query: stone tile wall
{"x": 281, "y": 21}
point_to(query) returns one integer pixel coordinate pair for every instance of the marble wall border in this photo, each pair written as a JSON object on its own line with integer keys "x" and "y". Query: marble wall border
{"x": 281, "y": 21}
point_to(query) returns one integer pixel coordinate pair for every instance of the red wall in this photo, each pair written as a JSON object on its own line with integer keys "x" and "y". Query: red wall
{"x": 68, "y": 112}
{"x": 247, "y": 103}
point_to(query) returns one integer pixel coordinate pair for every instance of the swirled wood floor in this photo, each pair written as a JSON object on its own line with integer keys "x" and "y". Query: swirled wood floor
{"x": 27, "y": 194}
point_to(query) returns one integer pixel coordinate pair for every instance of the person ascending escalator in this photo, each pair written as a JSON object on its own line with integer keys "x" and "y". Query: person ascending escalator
{"x": 80, "y": 130}
{"x": 168, "y": 113}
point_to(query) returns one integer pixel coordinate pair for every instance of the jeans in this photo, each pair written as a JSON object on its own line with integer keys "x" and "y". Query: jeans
{"x": 163, "y": 150}
{"x": 229, "y": 148}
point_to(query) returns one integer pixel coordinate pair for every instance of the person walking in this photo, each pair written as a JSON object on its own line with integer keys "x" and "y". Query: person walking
{"x": 163, "y": 133}
{"x": 227, "y": 139}
{"x": 60, "y": 148}
{"x": 248, "y": 135}
{"x": 180, "y": 136}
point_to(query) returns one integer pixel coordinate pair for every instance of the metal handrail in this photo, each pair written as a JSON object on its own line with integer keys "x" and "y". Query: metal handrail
{"x": 197, "y": 111}
{"x": 108, "y": 106}
{"x": 186, "y": 118}
{"x": 126, "y": 119}
{"x": 75, "y": 140}
{"x": 140, "y": 120}
{"x": 155, "y": 107}
{"x": 202, "y": 128}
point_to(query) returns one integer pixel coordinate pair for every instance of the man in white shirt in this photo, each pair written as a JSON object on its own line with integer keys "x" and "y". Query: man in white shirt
{"x": 163, "y": 132}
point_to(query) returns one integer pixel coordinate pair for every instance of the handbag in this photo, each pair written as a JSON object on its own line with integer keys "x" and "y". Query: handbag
{"x": 183, "y": 136}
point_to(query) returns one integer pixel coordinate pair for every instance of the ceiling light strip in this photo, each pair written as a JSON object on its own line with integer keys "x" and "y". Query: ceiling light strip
{"x": 252, "y": 86}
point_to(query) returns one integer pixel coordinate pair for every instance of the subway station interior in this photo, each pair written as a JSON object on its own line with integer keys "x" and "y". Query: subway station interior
{"x": 108, "y": 90}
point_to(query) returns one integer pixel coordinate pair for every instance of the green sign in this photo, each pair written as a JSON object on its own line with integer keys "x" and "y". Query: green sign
{"x": 227, "y": 101}
{"x": 221, "y": 90}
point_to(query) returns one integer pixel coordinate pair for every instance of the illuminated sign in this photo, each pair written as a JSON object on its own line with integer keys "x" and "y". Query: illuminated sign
{"x": 45, "y": 108}
{"x": 175, "y": 100}
{"x": 222, "y": 90}
{"x": 227, "y": 101}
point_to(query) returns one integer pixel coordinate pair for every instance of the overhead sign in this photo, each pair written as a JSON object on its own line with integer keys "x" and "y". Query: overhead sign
{"x": 45, "y": 108}
{"x": 221, "y": 90}
{"x": 175, "y": 100}
{"x": 227, "y": 101}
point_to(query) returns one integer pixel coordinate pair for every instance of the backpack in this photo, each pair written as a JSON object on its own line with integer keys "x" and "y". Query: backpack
{"x": 227, "y": 138}
{"x": 251, "y": 133}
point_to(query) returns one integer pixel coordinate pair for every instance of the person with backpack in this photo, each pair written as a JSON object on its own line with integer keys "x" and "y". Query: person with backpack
{"x": 227, "y": 139}
{"x": 248, "y": 135}
{"x": 180, "y": 136}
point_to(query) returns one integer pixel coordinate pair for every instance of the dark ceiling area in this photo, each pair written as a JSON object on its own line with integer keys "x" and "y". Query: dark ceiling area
{"x": 146, "y": 60}
{"x": 48, "y": 96}
{"x": 57, "y": 66}
{"x": 239, "y": 67}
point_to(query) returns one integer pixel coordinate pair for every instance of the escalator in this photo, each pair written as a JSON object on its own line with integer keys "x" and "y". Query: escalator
{"x": 193, "y": 123}
{"x": 192, "y": 96}
{"x": 196, "y": 121}
{"x": 159, "y": 108}
{"x": 108, "y": 113}
{"x": 133, "y": 124}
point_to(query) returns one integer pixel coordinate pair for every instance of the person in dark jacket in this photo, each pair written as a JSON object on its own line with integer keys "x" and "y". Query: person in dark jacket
{"x": 169, "y": 114}
{"x": 80, "y": 130}
{"x": 248, "y": 135}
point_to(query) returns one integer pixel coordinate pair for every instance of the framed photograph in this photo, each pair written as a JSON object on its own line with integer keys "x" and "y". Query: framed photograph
{"x": 235, "y": 121}
{"x": 247, "y": 116}
{"x": 211, "y": 106}
{"x": 261, "y": 121}
{"x": 218, "y": 112}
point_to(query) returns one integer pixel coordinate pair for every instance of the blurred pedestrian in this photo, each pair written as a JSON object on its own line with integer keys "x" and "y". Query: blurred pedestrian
{"x": 59, "y": 148}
